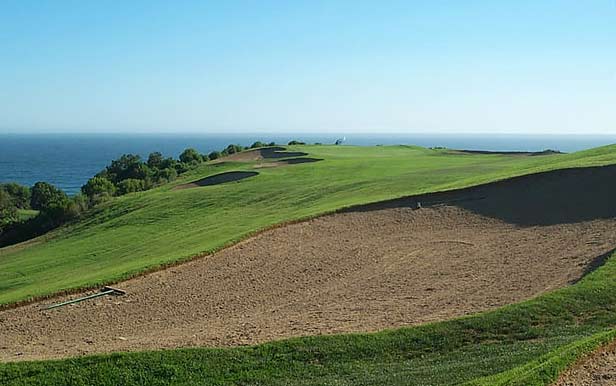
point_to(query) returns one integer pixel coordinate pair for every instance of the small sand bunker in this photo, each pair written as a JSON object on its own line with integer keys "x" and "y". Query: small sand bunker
{"x": 284, "y": 162}
{"x": 598, "y": 369}
{"x": 274, "y": 152}
{"x": 217, "y": 179}
{"x": 517, "y": 153}
{"x": 374, "y": 267}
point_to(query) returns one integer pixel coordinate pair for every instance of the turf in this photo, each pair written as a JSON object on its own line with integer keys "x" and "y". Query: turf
{"x": 522, "y": 344}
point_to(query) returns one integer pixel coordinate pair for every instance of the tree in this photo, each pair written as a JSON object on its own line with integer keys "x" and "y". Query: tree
{"x": 8, "y": 211}
{"x": 294, "y": 142}
{"x": 127, "y": 166}
{"x": 75, "y": 207}
{"x": 19, "y": 194}
{"x": 98, "y": 186}
{"x": 166, "y": 175}
{"x": 168, "y": 163}
{"x": 232, "y": 149}
{"x": 131, "y": 185}
{"x": 190, "y": 155}
{"x": 214, "y": 155}
{"x": 257, "y": 144}
{"x": 155, "y": 160}
{"x": 46, "y": 196}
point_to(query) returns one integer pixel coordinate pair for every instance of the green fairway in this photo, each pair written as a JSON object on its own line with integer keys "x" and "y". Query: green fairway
{"x": 521, "y": 344}
{"x": 144, "y": 230}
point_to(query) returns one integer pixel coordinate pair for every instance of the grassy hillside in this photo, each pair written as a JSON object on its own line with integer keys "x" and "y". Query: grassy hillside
{"x": 144, "y": 230}
{"x": 522, "y": 344}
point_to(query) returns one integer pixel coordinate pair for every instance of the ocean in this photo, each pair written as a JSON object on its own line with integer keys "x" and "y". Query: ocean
{"x": 69, "y": 160}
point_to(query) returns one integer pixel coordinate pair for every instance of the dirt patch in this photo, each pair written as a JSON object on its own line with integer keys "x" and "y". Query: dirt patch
{"x": 598, "y": 369}
{"x": 365, "y": 270}
{"x": 292, "y": 161}
{"x": 217, "y": 179}
{"x": 274, "y": 152}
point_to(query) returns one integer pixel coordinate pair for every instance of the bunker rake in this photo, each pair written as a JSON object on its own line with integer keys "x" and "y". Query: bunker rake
{"x": 104, "y": 291}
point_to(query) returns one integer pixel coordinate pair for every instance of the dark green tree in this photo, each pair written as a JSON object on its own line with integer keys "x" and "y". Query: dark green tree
{"x": 168, "y": 163}
{"x": 190, "y": 155}
{"x": 127, "y": 166}
{"x": 131, "y": 185}
{"x": 98, "y": 186}
{"x": 166, "y": 175}
{"x": 20, "y": 195}
{"x": 8, "y": 211}
{"x": 46, "y": 196}
{"x": 214, "y": 155}
{"x": 232, "y": 149}
{"x": 155, "y": 160}
{"x": 257, "y": 144}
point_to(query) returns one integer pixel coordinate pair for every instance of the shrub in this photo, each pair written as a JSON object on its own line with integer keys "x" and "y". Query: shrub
{"x": 155, "y": 160}
{"x": 8, "y": 211}
{"x": 294, "y": 142}
{"x": 125, "y": 167}
{"x": 166, "y": 175}
{"x": 214, "y": 155}
{"x": 19, "y": 194}
{"x": 257, "y": 144}
{"x": 45, "y": 196}
{"x": 232, "y": 149}
{"x": 181, "y": 167}
{"x": 131, "y": 185}
{"x": 190, "y": 155}
{"x": 97, "y": 186}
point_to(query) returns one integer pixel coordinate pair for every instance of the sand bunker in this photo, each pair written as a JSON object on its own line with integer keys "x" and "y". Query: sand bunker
{"x": 519, "y": 153}
{"x": 284, "y": 162}
{"x": 375, "y": 267}
{"x": 217, "y": 179}
{"x": 598, "y": 369}
{"x": 274, "y": 152}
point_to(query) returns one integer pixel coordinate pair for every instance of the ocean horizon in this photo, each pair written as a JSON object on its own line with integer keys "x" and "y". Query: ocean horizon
{"x": 69, "y": 160}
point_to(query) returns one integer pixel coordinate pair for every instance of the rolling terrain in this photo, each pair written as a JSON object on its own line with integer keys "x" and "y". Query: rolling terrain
{"x": 380, "y": 263}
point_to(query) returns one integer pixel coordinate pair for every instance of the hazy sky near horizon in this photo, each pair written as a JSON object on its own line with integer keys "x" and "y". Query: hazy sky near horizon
{"x": 308, "y": 66}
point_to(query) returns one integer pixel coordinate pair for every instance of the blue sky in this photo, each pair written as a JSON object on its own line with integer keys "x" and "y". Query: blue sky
{"x": 308, "y": 66}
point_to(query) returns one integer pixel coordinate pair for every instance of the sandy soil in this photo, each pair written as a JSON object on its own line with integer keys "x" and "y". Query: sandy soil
{"x": 599, "y": 369}
{"x": 375, "y": 267}
{"x": 348, "y": 272}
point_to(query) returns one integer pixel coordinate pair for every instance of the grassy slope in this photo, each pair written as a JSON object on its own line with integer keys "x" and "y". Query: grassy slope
{"x": 523, "y": 344}
{"x": 147, "y": 229}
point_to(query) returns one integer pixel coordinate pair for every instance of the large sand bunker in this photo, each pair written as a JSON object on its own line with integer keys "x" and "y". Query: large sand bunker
{"x": 375, "y": 267}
